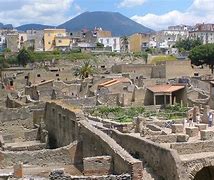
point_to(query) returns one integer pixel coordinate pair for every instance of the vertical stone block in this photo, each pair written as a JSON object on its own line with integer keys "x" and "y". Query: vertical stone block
{"x": 207, "y": 135}
{"x": 177, "y": 128}
{"x": 192, "y": 131}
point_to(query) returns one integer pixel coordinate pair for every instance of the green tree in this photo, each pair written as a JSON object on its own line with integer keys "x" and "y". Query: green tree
{"x": 187, "y": 44}
{"x": 203, "y": 54}
{"x": 85, "y": 70}
{"x": 24, "y": 57}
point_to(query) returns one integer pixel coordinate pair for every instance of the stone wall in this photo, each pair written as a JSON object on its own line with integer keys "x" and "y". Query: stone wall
{"x": 99, "y": 165}
{"x": 141, "y": 69}
{"x": 178, "y": 69}
{"x": 88, "y": 101}
{"x": 13, "y": 103}
{"x": 66, "y": 124}
{"x": 203, "y": 85}
{"x": 159, "y": 71}
{"x": 45, "y": 90}
{"x": 21, "y": 117}
{"x": 98, "y": 143}
{"x": 193, "y": 147}
{"x": 164, "y": 162}
{"x": 61, "y": 123}
{"x": 66, "y": 155}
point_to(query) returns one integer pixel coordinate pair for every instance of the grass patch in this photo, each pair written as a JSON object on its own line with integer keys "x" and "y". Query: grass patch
{"x": 163, "y": 58}
{"x": 47, "y": 56}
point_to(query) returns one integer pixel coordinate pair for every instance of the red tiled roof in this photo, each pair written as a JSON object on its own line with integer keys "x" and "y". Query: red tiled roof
{"x": 114, "y": 81}
{"x": 165, "y": 88}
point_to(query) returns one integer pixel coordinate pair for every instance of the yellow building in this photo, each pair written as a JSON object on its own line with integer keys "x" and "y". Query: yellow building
{"x": 138, "y": 41}
{"x": 62, "y": 41}
{"x": 53, "y": 37}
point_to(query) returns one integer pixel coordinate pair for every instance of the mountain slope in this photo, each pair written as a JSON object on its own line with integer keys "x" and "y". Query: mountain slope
{"x": 33, "y": 26}
{"x": 6, "y": 26}
{"x": 115, "y": 22}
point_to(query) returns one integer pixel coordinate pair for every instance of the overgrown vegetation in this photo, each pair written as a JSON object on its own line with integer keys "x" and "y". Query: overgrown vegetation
{"x": 187, "y": 44}
{"x": 17, "y": 58}
{"x": 123, "y": 115}
{"x": 119, "y": 114}
{"x": 163, "y": 58}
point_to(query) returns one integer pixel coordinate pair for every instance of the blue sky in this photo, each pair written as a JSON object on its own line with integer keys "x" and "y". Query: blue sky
{"x": 156, "y": 14}
{"x": 149, "y": 6}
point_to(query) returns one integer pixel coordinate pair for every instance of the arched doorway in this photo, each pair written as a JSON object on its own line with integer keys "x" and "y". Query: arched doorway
{"x": 206, "y": 173}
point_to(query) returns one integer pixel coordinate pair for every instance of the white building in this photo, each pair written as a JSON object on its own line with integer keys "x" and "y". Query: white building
{"x": 2, "y": 42}
{"x": 112, "y": 42}
{"x": 204, "y": 32}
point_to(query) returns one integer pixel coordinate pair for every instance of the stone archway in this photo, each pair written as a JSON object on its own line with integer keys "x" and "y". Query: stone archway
{"x": 198, "y": 167}
{"x": 206, "y": 173}
{"x": 197, "y": 170}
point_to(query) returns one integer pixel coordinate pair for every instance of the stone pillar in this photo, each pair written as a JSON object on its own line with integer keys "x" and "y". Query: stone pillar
{"x": 205, "y": 116}
{"x": 170, "y": 99}
{"x": 154, "y": 99}
{"x": 165, "y": 100}
{"x": 195, "y": 112}
{"x": 18, "y": 170}
{"x": 174, "y": 100}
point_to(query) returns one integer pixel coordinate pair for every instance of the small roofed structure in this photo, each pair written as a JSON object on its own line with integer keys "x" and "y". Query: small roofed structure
{"x": 167, "y": 94}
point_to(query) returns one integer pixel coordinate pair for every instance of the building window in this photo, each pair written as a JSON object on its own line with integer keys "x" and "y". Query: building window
{"x": 107, "y": 40}
{"x": 49, "y": 34}
{"x": 49, "y": 42}
{"x": 60, "y": 41}
{"x": 38, "y": 75}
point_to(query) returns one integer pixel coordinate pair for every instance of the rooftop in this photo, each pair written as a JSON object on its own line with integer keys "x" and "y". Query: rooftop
{"x": 165, "y": 88}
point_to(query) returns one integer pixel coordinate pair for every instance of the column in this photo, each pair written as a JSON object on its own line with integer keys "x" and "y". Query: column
{"x": 154, "y": 99}
{"x": 164, "y": 100}
{"x": 170, "y": 99}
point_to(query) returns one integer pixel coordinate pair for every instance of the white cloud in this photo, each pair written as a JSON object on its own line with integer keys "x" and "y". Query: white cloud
{"x": 51, "y": 12}
{"x": 200, "y": 11}
{"x": 131, "y": 3}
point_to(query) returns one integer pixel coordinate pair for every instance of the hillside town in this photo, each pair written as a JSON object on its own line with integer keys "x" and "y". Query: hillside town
{"x": 88, "y": 105}
{"x": 102, "y": 40}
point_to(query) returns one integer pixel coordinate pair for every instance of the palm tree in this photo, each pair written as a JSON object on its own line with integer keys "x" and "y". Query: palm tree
{"x": 125, "y": 43}
{"x": 85, "y": 70}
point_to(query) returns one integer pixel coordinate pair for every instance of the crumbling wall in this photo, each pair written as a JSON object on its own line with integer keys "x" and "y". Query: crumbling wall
{"x": 164, "y": 162}
{"x": 20, "y": 117}
{"x": 203, "y": 85}
{"x": 66, "y": 124}
{"x": 88, "y": 101}
{"x": 39, "y": 91}
{"x": 98, "y": 143}
{"x": 61, "y": 124}
{"x": 193, "y": 147}
{"x": 109, "y": 99}
{"x": 13, "y": 103}
{"x": 66, "y": 155}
